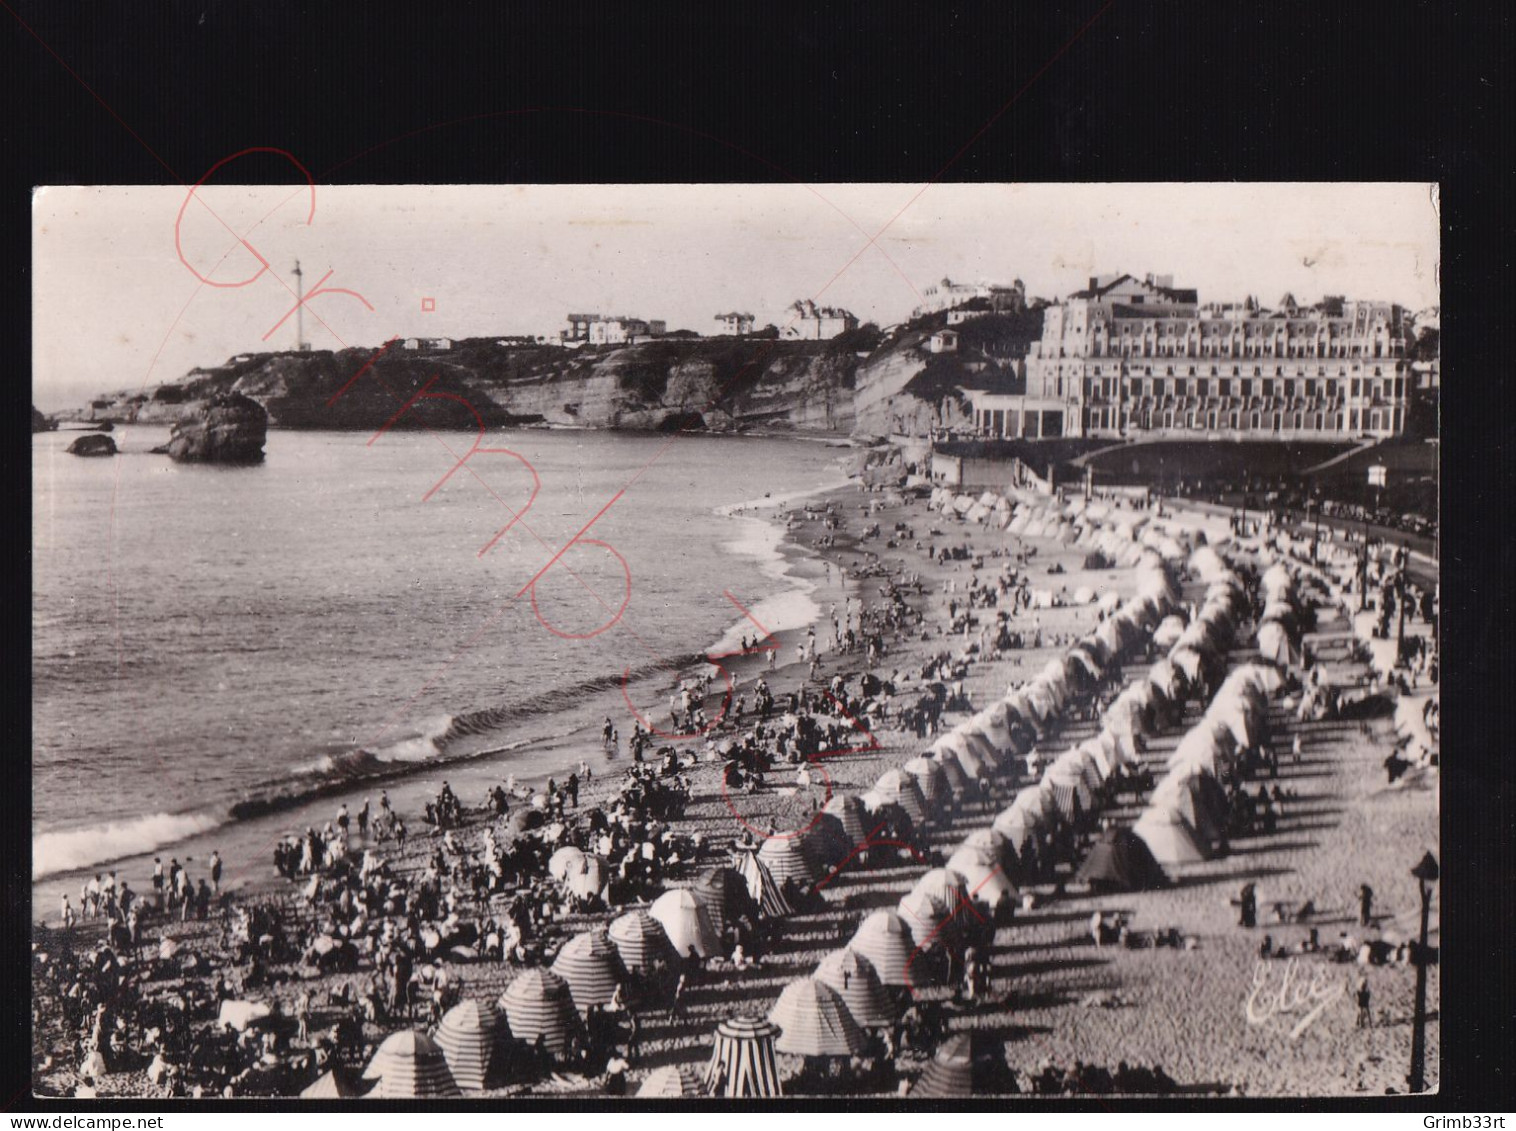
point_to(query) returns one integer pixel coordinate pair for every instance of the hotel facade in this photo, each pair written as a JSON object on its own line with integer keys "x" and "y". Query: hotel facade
{"x": 1130, "y": 357}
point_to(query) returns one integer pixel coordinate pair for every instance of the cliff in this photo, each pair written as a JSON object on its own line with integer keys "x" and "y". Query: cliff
{"x": 853, "y": 383}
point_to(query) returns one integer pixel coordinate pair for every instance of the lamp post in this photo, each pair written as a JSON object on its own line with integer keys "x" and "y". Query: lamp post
{"x": 1426, "y": 873}
{"x": 1377, "y": 475}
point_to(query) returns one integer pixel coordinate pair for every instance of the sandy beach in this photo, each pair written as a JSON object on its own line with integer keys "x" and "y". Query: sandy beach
{"x": 1213, "y": 1016}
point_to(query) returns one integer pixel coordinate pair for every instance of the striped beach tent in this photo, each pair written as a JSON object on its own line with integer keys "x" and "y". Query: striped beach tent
{"x": 538, "y": 1005}
{"x": 469, "y": 1037}
{"x": 847, "y": 812}
{"x": 338, "y": 1084}
{"x": 686, "y": 922}
{"x": 640, "y": 940}
{"x": 854, "y": 978}
{"x": 903, "y": 790}
{"x": 813, "y": 1020}
{"x": 885, "y": 940}
{"x": 724, "y": 894}
{"x": 786, "y": 858}
{"x": 983, "y": 871}
{"x": 409, "y": 1065}
{"x": 950, "y": 1073}
{"x": 672, "y": 1081}
{"x": 762, "y": 886}
{"x": 931, "y": 780}
{"x": 592, "y": 967}
{"x": 744, "y": 1062}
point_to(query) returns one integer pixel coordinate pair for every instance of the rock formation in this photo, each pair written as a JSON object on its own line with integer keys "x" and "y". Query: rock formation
{"x": 42, "y": 423}
{"x": 93, "y": 445}
{"x": 227, "y": 428}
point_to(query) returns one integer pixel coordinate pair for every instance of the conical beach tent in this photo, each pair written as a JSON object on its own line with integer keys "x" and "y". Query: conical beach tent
{"x": 1120, "y": 861}
{"x": 950, "y": 1073}
{"x": 686, "y": 922}
{"x": 1168, "y": 837}
{"x": 885, "y": 940}
{"x": 592, "y": 967}
{"x": 854, "y": 978}
{"x": 469, "y": 1036}
{"x": 787, "y": 859}
{"x": 338, "y": 1084}
{"x": 409, "y": 1065}
{"x": 813, "y": 1020}
{"x": 744, "y": 1062}
{"x": 673, "y": 1081}
{"x": 640, "y": 940}
{"x": 538, "y": 1005}
{"x": 762, "y": 886}
{"x": 724, "y": 894}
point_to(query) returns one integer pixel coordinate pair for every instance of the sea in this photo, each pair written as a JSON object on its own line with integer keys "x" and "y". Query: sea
{"x": 221, "y": 653}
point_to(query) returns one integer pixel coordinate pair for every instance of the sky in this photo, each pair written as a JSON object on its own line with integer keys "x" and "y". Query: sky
{"x": 117, "y": 303}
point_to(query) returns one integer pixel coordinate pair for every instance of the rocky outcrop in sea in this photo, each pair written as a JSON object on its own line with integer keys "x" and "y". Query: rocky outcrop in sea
{"x": 227, "y": 428}
{"x": 94, "y": 444}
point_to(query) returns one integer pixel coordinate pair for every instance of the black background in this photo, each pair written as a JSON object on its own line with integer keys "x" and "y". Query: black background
{"x": 157, "y": 92}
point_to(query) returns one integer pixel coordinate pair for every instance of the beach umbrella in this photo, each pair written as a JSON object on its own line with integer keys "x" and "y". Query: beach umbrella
{"x": 409, "y": 1065}
{"x": 338, "y": 1084}
{"x": 564, "y": 860}
{"x": 786, "y": 858}
{"x": 468, "y": 1036}
{"x": 686, "y": 922}
{"x": 240, "y": 1014}
{"x": 167, "y": 947}
{"x": 592, "y": 967}
{"x": 950, "y": 1073}
{"x": 538, "y": 1004}
{"x": 640, "y": 940}
{"x": 724, "y": 894}
{"x": 855, "y": 979}
{"x": 743, "y": 1062}
{"x": 761, "y": 885}
{"x": 886, "y": 941}
{"x": 588, "y": 877}
{"x": 672, "y": 1081}
{"x": 813, "y": 1020}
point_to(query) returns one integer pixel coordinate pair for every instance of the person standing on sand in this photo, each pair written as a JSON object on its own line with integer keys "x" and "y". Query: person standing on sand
{"x": 1248, "y": 903}
{"x": 1365, "y": 905}
{"x": 216, "y": 871}
{"x": 363, "y": 819}
{"x": 1365, "y": 1018}
{"x": 68, "y": 913}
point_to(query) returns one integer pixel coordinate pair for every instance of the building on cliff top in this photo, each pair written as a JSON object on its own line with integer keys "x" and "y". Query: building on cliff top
{"x": 946, "y": 294}
{"x": 734, "y": 323}
{"x": 611, "y": 330}
{"x": 1129, "y": 357}
{"x": 805, "y": 321}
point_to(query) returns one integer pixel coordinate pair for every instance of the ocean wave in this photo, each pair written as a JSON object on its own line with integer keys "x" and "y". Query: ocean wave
{"x": 100, "y": 844}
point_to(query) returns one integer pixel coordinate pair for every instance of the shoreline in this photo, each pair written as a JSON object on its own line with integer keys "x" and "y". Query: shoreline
{"x": 1183, "y": 1010}
{"x": 779, "y": 558}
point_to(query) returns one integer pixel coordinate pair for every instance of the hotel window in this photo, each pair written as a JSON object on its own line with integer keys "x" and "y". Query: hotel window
{"x": 1310, "y": 388}
{"x": 1268, "y": 388}
{"x": 1224, "y": 387}
{"x": 1357, "y": 390}
{"x": 1289, "y": 389}
{"x": 1247, "y": 387}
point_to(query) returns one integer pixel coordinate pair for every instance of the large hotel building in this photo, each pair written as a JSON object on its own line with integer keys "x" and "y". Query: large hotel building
{"x": 1139, "y": 357}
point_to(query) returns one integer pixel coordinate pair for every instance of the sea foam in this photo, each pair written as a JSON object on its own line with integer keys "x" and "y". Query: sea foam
{"x": 99, "y": 844}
